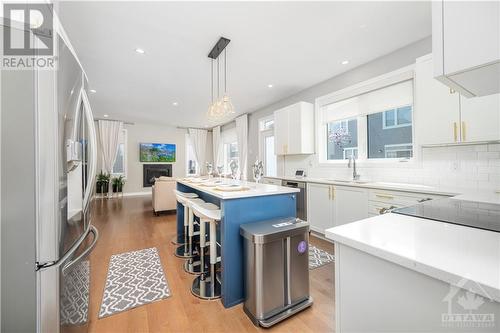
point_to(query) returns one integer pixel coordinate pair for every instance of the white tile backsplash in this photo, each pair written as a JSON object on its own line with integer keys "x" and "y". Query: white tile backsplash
{"x": 474, "y": 167}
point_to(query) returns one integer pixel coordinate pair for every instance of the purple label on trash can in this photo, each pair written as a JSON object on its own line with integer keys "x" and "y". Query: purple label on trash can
{"x": 302, "y": 247}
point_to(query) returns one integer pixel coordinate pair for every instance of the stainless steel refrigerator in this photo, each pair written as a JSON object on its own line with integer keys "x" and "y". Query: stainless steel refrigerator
{"x": 48, "y": 167}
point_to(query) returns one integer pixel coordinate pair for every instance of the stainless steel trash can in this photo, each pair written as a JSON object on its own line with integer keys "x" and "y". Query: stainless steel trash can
{"x": 276, "y": 257}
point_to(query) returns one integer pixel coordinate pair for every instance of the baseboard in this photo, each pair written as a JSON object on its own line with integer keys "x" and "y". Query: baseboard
{"x": 136, "y": 194}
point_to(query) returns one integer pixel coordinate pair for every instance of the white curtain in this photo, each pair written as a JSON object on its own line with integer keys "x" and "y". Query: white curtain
{"x": 217, "y": 146}
{"x": 109, "y": 135}
{"x": 198, "y": 138}
{"x": 242, "y": 138}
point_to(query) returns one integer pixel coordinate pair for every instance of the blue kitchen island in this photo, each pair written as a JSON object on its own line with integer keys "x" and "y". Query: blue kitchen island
{"x": 258, "y": 202}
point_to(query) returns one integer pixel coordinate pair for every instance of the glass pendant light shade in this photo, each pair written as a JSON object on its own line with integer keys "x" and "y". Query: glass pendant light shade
{"x": 221, "y": 107}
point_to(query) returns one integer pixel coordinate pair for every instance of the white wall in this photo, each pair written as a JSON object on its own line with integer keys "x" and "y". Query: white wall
{"x": 143, "y": 133}
{"x": 470, "y": 167}
{"x": 390, "y": 62}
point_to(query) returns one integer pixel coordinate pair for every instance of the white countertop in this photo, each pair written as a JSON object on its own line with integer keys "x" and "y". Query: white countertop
{"x": 465, "y": 194}
{"x": 253, "y": 189}
{"x": 443, "y": 251}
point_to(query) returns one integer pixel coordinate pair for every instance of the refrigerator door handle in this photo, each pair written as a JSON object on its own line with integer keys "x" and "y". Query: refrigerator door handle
{"x": 95, "y": 233}
{"x": 66, "y": 256}
{"x": 93, "y": 149}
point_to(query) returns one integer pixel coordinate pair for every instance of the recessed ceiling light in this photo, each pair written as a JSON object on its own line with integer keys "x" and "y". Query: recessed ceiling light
{"x": 106, "y": 116}
{"x": 175, "y": 103}
{"x": 345, "y": 62}
{"x": 93, "y": 91}
{"x": 140, "y": 51}
{"x": 270, "y": 85}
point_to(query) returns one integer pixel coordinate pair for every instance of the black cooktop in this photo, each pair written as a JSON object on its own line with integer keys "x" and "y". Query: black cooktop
{"x": 467, "y": 213}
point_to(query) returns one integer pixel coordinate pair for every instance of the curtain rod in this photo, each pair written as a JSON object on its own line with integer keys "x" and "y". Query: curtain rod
{"x": 124, "y": 122}
{"x": 201, "y": 128}
{"x": 223, "y": 124}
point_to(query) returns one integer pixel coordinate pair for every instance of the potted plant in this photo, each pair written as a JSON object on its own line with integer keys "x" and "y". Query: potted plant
{"x": 118, "y": 183}
{"x": 102, "y": 183}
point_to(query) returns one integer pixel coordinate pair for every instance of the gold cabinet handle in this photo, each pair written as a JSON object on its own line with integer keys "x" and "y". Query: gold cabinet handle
{"x": 329, "y": 192}
{"x": 333, "y": 192}
{"x": 455, "y": 130}
{"x": 386, "y": 196}
{"x": 452, "y": 91}
{"x": 463, "y": 131}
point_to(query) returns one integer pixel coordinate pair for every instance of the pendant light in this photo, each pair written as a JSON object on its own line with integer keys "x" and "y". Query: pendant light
{"x": 220, "y": 107}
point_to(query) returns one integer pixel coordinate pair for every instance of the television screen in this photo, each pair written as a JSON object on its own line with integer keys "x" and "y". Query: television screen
{"x": 157, "y": 152}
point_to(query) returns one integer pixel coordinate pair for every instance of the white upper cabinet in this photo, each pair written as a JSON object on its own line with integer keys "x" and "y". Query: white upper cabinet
{"x": 466, "y": 45}
{"x": 294, "y": 129}
{"x": 443, "y": 116}
{"x": 480, "y": 118}
{"x": 436, "y": 107}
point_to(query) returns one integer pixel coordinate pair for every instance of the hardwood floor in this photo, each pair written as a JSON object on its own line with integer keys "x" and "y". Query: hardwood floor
{"x": 128, "y": 224}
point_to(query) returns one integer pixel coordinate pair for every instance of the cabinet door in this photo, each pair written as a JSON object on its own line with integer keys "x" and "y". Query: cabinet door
{"x": 351, "y": 204}
{"x": 281, "y": 132}
{"x": 471, "y": 34}
{"x": 319, "y": 207}
{"x": 480, "y": 118}
{"x": 294, "y": 130}
{"x": 437, "y": 109}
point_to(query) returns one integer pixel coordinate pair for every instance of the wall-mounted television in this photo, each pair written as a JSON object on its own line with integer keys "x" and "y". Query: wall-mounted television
{"x": 156, "y": 152}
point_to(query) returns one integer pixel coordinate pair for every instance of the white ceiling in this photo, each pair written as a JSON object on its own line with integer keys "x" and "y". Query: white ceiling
{"x": 292, "y": 45}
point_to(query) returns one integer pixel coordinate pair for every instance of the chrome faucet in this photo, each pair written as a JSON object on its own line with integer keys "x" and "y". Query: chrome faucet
{"x": 352, "y": 163}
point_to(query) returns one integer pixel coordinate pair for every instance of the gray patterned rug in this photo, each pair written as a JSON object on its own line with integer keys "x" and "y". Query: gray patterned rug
{"x": 318, "y": 257}
{"x": 134, "y": 278}
{"x": 74, "y": 308}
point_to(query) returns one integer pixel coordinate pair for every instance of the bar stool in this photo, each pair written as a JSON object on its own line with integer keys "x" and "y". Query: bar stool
{"x": 207, "y": 286}
{"x": 182, "y": 197}
{"x": 196, "y": 263}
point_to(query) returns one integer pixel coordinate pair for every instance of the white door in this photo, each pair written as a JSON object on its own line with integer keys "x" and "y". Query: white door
{"x": 281, "y": 132}
{"x": 436, "y": 108}
{"x": 480, "y": 118}
{"x": 351, "y": 204}
{"x": 319, "y": 207}
{"x": 267, "y": 152}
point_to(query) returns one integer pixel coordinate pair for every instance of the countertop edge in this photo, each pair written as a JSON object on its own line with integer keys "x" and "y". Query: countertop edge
{"x": 373, "y": 185}
{"x": 431, "y": 271}
{"x": 236, "y": 194}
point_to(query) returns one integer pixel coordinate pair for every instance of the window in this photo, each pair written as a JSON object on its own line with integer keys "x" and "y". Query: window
{"x": 342, "y": 139}
{"x": 266, "y": 146}
{"x": 390, "y": 133}
{"x": 230, "y": 154}
{"x": 372, "y": 120}
{"x": 120, "y": 166}
{"x": 191, "y": 164}
{"x": 399, "y": 117}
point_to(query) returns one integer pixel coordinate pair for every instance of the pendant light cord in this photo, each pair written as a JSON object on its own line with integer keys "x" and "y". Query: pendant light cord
{"x": 225, "y": 73}
{"x": 218, "y": 80}
{"x": 212, "y": 80}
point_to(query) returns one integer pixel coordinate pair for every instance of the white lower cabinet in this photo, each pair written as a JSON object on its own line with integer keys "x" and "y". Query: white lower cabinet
{"x": 319, "y": 207}
{"x": 271, "y": 181}
{"x": 350, "y": 204}
{"x": 332, "y": 205}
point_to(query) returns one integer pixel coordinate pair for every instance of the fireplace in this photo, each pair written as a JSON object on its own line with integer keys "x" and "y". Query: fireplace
{"x": 152, "y": 171}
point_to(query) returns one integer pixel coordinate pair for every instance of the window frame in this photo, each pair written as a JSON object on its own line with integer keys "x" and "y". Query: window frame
{"x": 125, "y": 156}
{"x": 395, "y": 111}
{"x": 189, "y": 147}
{"x": 379, "y": 82}
{"x": 263, "y": 133}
